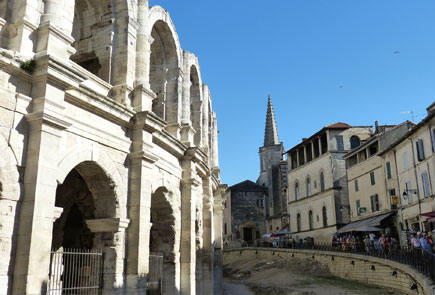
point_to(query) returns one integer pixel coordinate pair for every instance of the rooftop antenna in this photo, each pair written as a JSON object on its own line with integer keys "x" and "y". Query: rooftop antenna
{"x": 409, "y": 112}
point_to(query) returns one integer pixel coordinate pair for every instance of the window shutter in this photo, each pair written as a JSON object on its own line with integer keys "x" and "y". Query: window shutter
{"x": 420, "y": 149}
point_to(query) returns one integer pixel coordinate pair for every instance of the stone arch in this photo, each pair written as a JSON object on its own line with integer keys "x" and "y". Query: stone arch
{"x": 163, "y": 235}
{"x": 165, "y": 63}
{"x": 10, "y": 194}
{"x": 95, "y": 28}
{"x": 92, "y": 153}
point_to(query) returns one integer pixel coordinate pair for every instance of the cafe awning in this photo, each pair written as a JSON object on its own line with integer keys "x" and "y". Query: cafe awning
{"x": 370, "y": 221}
{"x": 428, "y": 214}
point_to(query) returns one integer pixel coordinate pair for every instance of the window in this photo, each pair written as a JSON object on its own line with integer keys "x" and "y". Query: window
{"x": 260, "y": 203}
{"x": 425, "y": 181}
{"x": 298, "y": 222}
{"x": 325, "y": 217}
{"x": 322, "y": 182}
{"x": 310, "y": 219}
{"x": 339, "y": 140}
{"x": 358, "y": 206}
{"x": 297, "y": 195}
{"x": 433, "y": 140}
{"x": 374, "y": 202}
{"x": 372, "y": 178}
{"x": 308, "y": 187}
{"x": 408, "y": 192}
{"x": 388, "y": 170}
{"x": 354, "y": 142}
{"x": 225, "y": 228}
{"x": 356, "y": 185}
{"x": 420, "y": 149}
{"x": 405, "y": 161}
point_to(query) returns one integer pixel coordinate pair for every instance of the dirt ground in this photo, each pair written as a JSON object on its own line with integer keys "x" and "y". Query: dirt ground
{"x": 298, "y": 277}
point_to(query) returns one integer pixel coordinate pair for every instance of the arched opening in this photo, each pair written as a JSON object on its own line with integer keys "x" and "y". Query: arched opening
{"x": 162, "y": 236}
{"x": 298, "y": 222}
{"x": 310, "y": 219}
{"x": 325, "y": 217}
{"x": 164, "y": 73}
{"x": 308, "y": 186}
{"x": 86, "y": 198}
{"x": 354, "y": 142}
{"x": 297, "y": 194}
{"x": 195, "y": 104}
{"x": 91, "y": 28}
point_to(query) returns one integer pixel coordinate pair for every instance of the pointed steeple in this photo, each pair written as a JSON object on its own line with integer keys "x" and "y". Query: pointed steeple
{"x": 271, "y": 132}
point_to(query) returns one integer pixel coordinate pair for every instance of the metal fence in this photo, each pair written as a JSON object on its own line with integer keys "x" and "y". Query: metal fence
{"x": 75, "y": 271}
{"x": 155, "y": 276}
{"x": 421, "y": 260}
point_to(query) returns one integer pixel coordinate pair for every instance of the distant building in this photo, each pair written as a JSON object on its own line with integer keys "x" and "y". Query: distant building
{"x": 317, "y": 184}
{"x": 372, "y": 191}
{"x": 245, "y": 212}
{"x": 273, "y": 174}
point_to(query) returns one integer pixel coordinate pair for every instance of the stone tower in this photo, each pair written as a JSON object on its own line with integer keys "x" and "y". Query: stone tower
{"x": 273, "y": 169}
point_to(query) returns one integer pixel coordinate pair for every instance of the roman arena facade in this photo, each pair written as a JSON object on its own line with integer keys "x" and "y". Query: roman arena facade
{"x": 108, "y": 146}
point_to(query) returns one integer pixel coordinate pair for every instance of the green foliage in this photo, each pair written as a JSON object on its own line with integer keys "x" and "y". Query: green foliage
{"x": 28, "y": 66}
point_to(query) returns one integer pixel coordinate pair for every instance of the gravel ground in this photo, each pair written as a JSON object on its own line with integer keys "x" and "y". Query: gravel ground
{"x": 282, "y": 277}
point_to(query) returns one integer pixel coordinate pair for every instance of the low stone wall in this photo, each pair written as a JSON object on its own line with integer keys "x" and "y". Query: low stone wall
{"x": 361, "y": 268}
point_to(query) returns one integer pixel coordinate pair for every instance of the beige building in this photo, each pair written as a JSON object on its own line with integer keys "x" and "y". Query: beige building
{"x": 412, "y": 164}
{"x": 317, "y": 185}
{"x": 108, "y": 144}
{"x": 372, "y": 191}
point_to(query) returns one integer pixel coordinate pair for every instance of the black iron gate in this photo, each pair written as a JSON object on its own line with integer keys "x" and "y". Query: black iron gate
{"x": 155, "y": 276}
{"x": 75, "y": 271}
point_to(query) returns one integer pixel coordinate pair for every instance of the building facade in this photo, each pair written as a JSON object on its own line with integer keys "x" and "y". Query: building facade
{"x": 317, "y": 185}
{"x": 412, "y": 160}
{"x": 245, "y": 212}
{"x": 373, "y": 193}
{"x": 109, "y": 143}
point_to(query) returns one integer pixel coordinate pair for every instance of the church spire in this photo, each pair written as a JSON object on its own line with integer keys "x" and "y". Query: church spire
{"x": 271, "y": 132}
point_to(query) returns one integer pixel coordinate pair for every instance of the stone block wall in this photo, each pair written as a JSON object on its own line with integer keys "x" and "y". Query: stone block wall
{"x": 364, "y": 269}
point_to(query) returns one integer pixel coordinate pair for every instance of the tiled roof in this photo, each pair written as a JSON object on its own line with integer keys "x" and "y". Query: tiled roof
{"x": 338, "y": 125}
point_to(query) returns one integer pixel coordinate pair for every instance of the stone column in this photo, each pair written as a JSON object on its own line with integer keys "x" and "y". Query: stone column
{"x": 139, "y": 206}
{"x": 37, "y": 208}
{"x": 219, "y": 200}
{"x": 312, "y": 151}
{"x": 205, "y": 119}
{"x": 215, "y": 157}
{"x": 188, "y": 245}
{"x": 24, "y": 23}
{"x": 185, "y": 106}
{"x": 320, "y": 146}
{"x": 54, "y": 34}
{"x": 207, "y": 253}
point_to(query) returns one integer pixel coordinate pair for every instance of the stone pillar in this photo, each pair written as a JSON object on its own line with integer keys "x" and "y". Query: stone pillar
{"x": 40, "y": 182}
{"x": 54, "y": 35}
{"x": 320, "y": 146}
{"x": 305, "y": 154}
{"x": 139, "y": 206}
{"x": 215, "y": 157}
{"x": 205, "y": 119}
{"x": 208, "y": 249}
{"x": 219, "y": 200}
{"x": 188, "y": 245}
{"x": 312, "y": 150}
{"x": 185, "y": 105}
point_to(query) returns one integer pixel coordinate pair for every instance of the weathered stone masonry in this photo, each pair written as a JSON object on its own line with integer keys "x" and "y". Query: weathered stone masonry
{"x": 108, "y": 141}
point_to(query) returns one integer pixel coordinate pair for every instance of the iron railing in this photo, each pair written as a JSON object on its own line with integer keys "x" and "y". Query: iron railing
{"x": 421, "y": 260}
{"x": 155, "y": 276}
{"x": 75, "y": 271}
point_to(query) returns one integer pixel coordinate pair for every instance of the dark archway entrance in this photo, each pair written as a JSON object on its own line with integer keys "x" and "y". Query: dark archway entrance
{"x": 162, "y": 237}
{"x": 86, "y": 195}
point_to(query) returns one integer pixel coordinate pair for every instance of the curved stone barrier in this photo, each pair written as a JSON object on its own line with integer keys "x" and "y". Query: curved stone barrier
{"x": 366, "y": 269}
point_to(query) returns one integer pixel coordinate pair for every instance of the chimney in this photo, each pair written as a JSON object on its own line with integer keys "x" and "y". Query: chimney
{"x": 376, "y": 127}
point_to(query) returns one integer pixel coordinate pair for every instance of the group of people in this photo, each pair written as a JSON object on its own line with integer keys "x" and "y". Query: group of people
{"x": 368, "y": 242}
{"x": 423, "y": 241}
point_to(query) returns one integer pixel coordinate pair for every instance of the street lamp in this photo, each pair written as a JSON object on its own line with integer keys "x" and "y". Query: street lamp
{"x": 408, "y": 191}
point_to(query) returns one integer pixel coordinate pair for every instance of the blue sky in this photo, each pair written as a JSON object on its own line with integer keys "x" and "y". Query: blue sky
{"x": 323, "y": 61}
